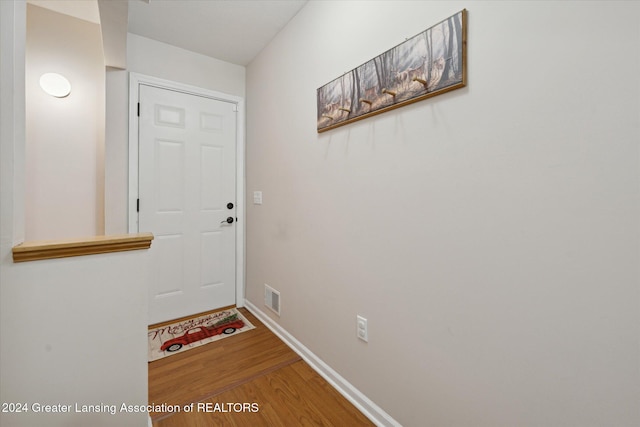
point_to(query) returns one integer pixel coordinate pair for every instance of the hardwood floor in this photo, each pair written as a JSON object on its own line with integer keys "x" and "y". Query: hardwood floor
{"x": 251, "y": 379}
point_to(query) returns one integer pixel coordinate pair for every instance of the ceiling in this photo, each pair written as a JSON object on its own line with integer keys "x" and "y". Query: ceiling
{"x": 230, "y": 30}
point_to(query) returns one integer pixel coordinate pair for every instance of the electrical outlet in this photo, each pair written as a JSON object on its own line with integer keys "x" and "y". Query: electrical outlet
{"x": 361, "y": 328}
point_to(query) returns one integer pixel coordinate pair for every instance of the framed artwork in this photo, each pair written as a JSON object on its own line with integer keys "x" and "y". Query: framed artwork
{"x": 428, "y": 64}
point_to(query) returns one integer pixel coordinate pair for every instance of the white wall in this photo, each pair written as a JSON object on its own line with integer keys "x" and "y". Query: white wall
{"x": 65, "y": 136}
{"x": 152, "y": 58}
{"x": 71, "y": 330}
{"x": 74, "y": 331}
{"x": 489, "y": 235}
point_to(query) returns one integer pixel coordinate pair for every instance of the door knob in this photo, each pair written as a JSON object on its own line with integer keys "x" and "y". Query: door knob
{"x": 229, "y": 220}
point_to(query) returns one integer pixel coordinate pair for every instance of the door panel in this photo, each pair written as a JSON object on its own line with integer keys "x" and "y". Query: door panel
{"x": 211, "y": 257}
{"x": 211, "y": 182}
{"x": 169, "y": 175}
{"x": 186, "y": 178}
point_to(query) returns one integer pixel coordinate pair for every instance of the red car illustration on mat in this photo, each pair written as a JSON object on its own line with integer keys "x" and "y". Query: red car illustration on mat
{"x": 200, "y": 333}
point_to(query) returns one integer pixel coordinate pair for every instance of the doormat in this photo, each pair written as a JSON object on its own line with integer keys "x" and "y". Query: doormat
{"x": 182, "y": 336}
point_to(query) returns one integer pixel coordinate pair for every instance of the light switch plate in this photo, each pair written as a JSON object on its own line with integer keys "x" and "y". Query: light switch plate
{"x": 362, "y": 331}
{"x": 257, "y": 197}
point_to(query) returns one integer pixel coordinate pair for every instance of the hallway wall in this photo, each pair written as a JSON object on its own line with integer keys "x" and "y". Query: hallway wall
{"x": 490, "y": 235}
{"x": 72, "y": 330}
{"x": 65, "y": 136}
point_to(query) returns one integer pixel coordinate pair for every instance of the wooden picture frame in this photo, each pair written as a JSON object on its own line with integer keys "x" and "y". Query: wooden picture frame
{"x": 429, "y": 64}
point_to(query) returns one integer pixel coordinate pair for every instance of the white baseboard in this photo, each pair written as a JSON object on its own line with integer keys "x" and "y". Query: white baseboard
{"x": 352, "y": 394}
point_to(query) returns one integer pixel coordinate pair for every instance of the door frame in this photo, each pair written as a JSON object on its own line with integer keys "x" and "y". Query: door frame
{"x": 135, "y": 80}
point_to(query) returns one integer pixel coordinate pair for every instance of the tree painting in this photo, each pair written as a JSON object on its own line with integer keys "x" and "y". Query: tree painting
{"x": 428, "y": 64}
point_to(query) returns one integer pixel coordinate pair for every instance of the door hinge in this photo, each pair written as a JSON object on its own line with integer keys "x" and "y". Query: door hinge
{"x": 138, "y": 205}
{"x": 138, "y": 109}
{"x": 235, "y": 108}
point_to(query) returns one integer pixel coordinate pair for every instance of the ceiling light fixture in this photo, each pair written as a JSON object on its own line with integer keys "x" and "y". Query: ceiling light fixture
{"x": 55, "y": 85}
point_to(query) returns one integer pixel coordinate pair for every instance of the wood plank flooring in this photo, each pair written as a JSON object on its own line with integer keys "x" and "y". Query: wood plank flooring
{"x": 251, "y": 379}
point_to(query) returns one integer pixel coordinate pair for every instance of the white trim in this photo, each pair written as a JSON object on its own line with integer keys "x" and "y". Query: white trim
{"x": 12, "y": 124}
{"x": 135, "y": 80}
{"x": 365, "y": 405}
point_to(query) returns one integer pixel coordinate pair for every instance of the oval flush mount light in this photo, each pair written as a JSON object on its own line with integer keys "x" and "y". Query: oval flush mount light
{"x": 55, "y": 85}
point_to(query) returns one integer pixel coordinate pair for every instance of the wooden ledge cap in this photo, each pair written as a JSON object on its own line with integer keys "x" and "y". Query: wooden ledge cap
{"x": 33, "y": 251}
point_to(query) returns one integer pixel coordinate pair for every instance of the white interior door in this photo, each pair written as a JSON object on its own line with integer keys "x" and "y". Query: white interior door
{"x": 187, "y": 149}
